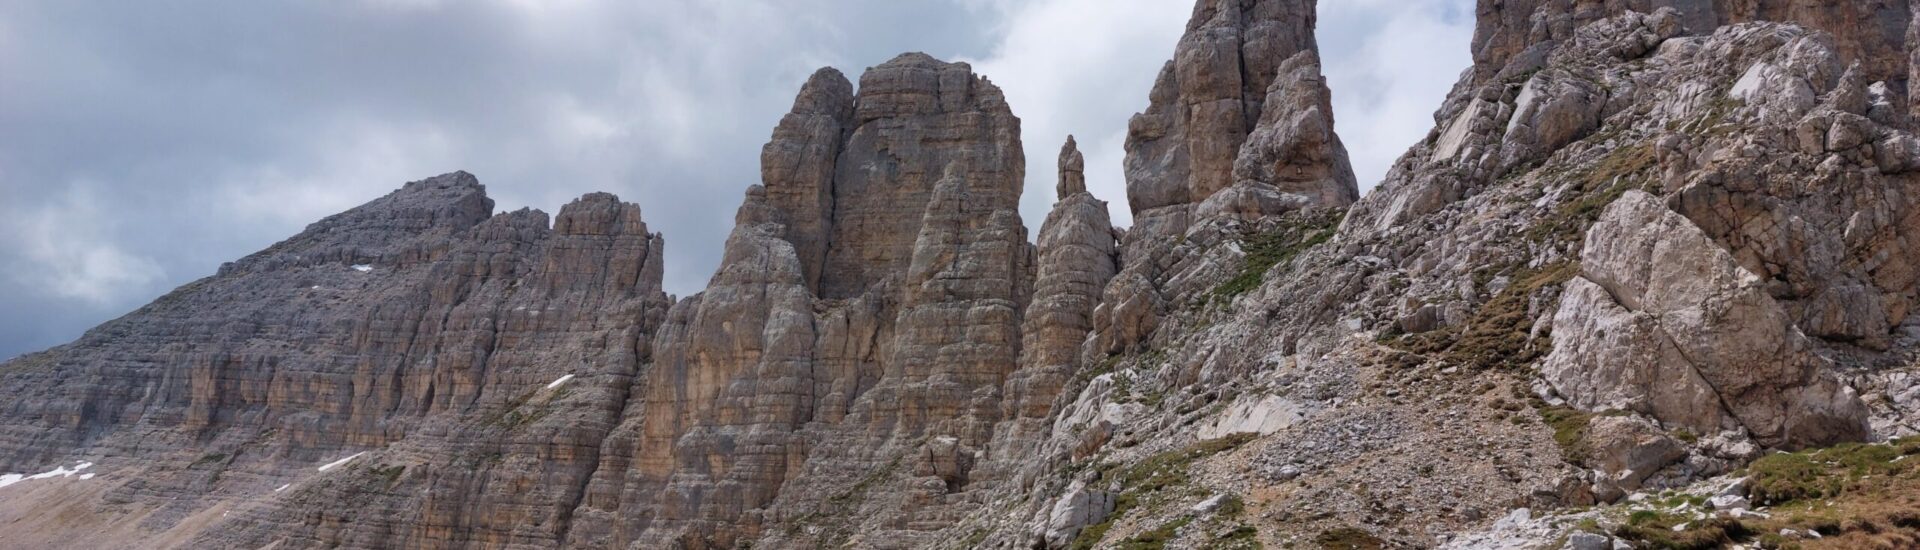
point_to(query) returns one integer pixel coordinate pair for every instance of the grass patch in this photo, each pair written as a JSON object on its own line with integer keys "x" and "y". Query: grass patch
{"x": 1148, "y": 477}
{"x": 1499, "y": 334}
{"x": 1090, "y": 536}
{"x": 974, "y": 540}
{"x": 1158, "y": 538}
{"x": 1622, "y": 169}
{"x": 1569, "y": 431}
{"x": 1856, "y": 496}
{"x": 1278, "y": 246}
{"x": 1786, "y": 477}
{"x": 1656, "y": 530}
{"x": 844, "y": 503}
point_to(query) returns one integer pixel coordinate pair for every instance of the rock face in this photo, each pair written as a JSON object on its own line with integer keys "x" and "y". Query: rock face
{"x": 419, "y": 324}
{"x": 1243, "y": 69}
{"x": 867, "y": 309}
{"x": 1642, "y": 245}
{"x": 1691, "y": 214}
{"x": 1662, "y": 321}
{"x": 1872, "y": 32}
{"x": 1239, "y": 129}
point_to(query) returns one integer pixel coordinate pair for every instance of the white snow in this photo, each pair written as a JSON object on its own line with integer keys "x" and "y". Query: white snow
{"x": 341, "y": 462}
{"x": 363, "y": 268}
{"x": 283, "y": 488}
{"x": 61, "y": 472}
{"x": 84, "y": 477}
{"x": 557, "y": 383}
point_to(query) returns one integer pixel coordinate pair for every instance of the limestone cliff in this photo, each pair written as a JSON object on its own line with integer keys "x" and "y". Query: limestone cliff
{"x": 1239, "y": 130}
{"x": 1646, "y": 245}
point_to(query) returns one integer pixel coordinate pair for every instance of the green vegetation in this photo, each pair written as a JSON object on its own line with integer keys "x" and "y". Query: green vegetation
{"x": 1787, "y": 477}
{"x": 1157, "y": 538}
{"x": 1569, "y": 430}
{"x": 975, "y": 539}
{"x": 845, "y": 503}
{"x": 1710, "y": 123}
{"x": 1090, "y": 536}
{"x": 1278, "y": 246}
{"x": 1622, "y": 169}
{"x": 1854, "y": 495}
{"x": 1150, "y": 477}
{"x": 853, "y": 495}
{"x": 1656, "y": 530}
{"x": 1498, "y": 335}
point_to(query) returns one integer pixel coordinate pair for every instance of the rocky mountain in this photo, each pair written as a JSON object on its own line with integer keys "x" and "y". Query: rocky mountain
{"x": 1647, "y": 283}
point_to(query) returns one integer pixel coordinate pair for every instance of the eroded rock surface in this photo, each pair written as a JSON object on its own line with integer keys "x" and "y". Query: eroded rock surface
{"x": 1662, "y": 321}
{"x": 1239, "y": 129}
{"x": 1643, "y": 245}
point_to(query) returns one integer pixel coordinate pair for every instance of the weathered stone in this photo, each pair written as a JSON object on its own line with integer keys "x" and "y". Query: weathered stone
{"x": 1685, "y": 321}
{"x": 1239, "y": 127}
{"x": 1078, "y": 508}
{"x": 1630, "y": 449}
{"x": 418, "y": 327}
{"x": 882, "y": 361}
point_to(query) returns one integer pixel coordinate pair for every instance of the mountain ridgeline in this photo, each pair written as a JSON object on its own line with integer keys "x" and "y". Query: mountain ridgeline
{"x": 1650, "y": 249}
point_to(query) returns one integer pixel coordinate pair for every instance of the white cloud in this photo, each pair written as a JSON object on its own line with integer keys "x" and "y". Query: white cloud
{"x": 361, "y": 160}
{"x": 1080, "y": 67}
{"x": 1390, "y": 63}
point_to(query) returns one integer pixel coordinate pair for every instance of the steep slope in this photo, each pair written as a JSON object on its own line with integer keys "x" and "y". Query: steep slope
{"x": 1633, "y": 254}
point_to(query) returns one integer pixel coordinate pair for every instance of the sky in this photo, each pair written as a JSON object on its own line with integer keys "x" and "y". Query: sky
{"x": 142, "y": 144}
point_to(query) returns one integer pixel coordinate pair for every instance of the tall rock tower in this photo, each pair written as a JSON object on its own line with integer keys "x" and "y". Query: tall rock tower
{"x": 1239, "y": 130}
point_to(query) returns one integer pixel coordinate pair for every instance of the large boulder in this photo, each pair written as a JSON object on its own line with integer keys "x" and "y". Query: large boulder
{"x": 1664, "y": 322}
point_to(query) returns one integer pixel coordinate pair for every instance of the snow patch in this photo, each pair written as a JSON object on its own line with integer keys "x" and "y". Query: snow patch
{"x": 84, "y": 477}
{"x": 363, "y": 268}
{"x": 283, "y": 488}
{"x": 557, "y": 383}
{"x": 60, "y": 472}
{"x": 341, "y": 462}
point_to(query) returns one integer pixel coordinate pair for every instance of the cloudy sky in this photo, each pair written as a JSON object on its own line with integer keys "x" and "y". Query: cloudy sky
{"x": 145, "y": 143}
